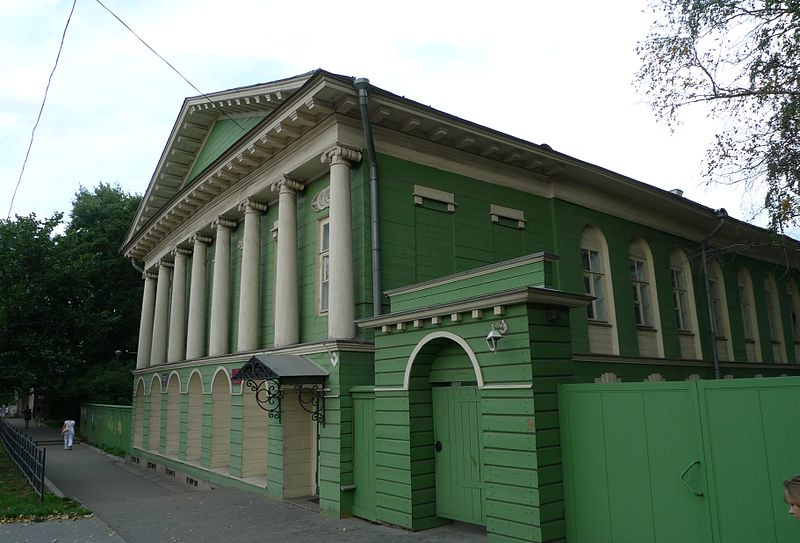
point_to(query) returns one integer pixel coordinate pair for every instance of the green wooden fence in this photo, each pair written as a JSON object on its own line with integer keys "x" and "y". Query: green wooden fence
{"x": 107, "y": 426}
{"x": 680, "y": 461}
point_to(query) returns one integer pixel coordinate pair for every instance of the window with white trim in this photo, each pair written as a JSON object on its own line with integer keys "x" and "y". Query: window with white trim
{"x": 642, "y": 309}
{"x": 593, "y": 284}
{"x": 323, "y": 264}
{"x": 680, "y": 297}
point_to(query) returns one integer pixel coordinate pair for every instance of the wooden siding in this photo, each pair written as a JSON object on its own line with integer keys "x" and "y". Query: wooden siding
{"x": 223, "y": 134}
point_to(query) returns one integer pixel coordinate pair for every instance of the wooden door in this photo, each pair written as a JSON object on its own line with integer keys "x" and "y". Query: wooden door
{"x": 459, "y": 470}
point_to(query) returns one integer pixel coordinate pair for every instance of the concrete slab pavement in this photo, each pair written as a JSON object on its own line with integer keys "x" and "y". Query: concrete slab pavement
{"x": 139, "y": 506}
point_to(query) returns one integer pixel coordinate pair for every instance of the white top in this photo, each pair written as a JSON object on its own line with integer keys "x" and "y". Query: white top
{"x": 69, "y": 427}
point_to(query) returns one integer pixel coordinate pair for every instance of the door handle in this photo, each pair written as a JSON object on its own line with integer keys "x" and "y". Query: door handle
{"x": 683, "y": 480}
{"x": 438, "y": 446}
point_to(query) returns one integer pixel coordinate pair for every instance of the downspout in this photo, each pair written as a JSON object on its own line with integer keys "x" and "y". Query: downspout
{"x": 721, "y": 215}
{"x": 361, "y": 84}
{"x": 137, "y": 267}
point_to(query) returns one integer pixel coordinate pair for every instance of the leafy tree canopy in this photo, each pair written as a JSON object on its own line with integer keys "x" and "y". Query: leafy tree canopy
{"x": 69, "y": 301}
{"x": 740, "y": 58}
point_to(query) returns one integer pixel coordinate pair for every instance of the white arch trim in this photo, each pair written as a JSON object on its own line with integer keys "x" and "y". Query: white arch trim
{"x": 140, "y": 381}
{"x": 194, "y": 372}
{"x": 174, "y": 375}
{"x": 452, "y": 337}
{"x": 157, "y": 378}
{"x": 214, "y": 378}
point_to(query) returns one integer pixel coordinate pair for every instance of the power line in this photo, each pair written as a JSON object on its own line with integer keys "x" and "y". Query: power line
{"x": 41, "y": 109}
{"x": 174, "y": 69}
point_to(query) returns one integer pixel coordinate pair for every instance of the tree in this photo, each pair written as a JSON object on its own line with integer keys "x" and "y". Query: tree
{"x": 69, "y": 301}
{"x": 34, "y": 306}
{"x": 740, "y": 58}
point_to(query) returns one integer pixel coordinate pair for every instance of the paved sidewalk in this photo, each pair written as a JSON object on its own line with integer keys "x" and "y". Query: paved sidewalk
{"x": 135, "y": 506}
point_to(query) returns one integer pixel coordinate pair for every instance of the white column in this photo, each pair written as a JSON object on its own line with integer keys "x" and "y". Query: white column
{"x": 287, "y": 326}
{"x": 196, "y": 331}
{"x": 221, "y": 290}
{"x": 177, "y": 316}
{"x": 341, "y": 304}
{"x": 158, "y": 351}
{"x": 146, "y": 321}
{"x": 249, "y": 291}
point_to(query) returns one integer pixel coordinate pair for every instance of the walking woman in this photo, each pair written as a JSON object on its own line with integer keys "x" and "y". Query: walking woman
{"x": 68, "y": 431}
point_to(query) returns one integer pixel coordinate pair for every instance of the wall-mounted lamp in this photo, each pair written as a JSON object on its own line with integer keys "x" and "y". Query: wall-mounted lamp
{"x": 499, "y": 329}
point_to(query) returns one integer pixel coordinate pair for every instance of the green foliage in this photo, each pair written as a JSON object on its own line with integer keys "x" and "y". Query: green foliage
{"x": 740, "y": 58}
{"x": 69, "y": 300}
{"x": 19, "y": 503}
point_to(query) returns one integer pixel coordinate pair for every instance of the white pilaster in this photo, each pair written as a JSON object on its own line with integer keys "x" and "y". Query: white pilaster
{"x": 146, "y": 321}
{"x": 196, "y": 332}
{"x": 176, "y": 349}
{"x": 287, "y": 327}
{"x": 158, "y": 351}
{"x": 251, "y": 272}
{"x": 221, "y": 290}
{"x": 341, "y": 305}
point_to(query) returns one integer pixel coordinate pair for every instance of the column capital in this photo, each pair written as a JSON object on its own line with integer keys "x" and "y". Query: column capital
{"x": 341, "y": 155}
{"x": 285, "y": 183}
{"x": 252, "y": 206}
{"x": 222, "y": 222}
{"x": 166, "y": 264}
{"x": 150, "y": 274}
{"x": 181, "y": 251}
{"x": 200, "y": 238}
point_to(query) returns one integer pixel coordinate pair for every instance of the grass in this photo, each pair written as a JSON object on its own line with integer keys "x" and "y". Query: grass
{"x": 19, "y": 503}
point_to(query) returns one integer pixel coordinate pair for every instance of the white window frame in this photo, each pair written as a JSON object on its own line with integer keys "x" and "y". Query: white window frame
{"x": 594, "y": 284}
{"x": 680, "y": 297}
{"x": 323, "y": 266}
{"x": 642, "y": 299}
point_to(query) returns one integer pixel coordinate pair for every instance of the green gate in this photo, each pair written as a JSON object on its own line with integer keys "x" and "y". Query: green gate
{"x": 364, "y": 499}
{"x": 459, "y": 472}
{"x": 680, "y": 461}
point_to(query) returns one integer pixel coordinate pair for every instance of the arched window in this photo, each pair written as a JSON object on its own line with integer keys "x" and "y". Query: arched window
{"x": 719, "y": 310}
{"x": 749, "y": 320}
{"x": 794, "y": 307}
{"x": 600, "y": 313}
{"x": 645, "y": 299}
{"x": 775, "y": 320}
{"x": 684, "y": 305}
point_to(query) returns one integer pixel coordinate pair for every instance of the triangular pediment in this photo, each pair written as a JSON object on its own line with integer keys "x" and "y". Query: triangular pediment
{"x": 205, "y": 128}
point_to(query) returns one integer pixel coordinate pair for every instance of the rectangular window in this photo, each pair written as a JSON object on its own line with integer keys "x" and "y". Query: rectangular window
{"x": 593, "y": 284}
{"x": 716, "y": 307}
{"x": 744, "y": 303}
{"x": 681, "y": 299}
{"x": 641, "y": 294}
{"x": 772, "y": 315}
{"x": 324, "y": 264}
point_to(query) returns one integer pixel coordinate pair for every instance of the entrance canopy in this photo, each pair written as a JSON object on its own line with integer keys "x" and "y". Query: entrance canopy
{"x": 289, "y": 369}
{"x": 266, "y": 374}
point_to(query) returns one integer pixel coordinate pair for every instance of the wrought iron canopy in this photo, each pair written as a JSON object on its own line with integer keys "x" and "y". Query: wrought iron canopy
{"x": 289, "y": 369}
{"x": 265, "y": 374}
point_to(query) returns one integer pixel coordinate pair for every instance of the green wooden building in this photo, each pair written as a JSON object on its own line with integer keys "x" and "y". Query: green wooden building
{"x": 355, "y": 299}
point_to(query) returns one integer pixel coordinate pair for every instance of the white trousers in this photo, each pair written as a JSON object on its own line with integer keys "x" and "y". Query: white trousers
{"x": 68, "y": 440}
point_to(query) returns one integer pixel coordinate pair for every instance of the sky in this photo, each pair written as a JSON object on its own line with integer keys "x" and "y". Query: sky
{"x": 560, "y": 73}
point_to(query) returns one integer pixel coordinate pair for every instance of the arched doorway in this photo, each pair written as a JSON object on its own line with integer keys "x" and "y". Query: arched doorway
{"x": 173, "y": 415}
{"x": 443, "y": 379}
{"x": 138, "y": 423}
{"x": 154, "y": 443}
{"x": 194, "y": 419}
{"x": 221, "y": 422}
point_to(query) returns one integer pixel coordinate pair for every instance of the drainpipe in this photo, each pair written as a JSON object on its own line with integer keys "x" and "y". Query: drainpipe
{"x": 136, "y": 266}
{"x": 361, "y": 84}
{"x": 721, "y": 215}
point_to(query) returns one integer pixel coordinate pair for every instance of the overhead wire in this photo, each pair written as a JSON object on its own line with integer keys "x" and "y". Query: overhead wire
{"x": 41, "y": 109}
{"x": 174, "y": 69}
